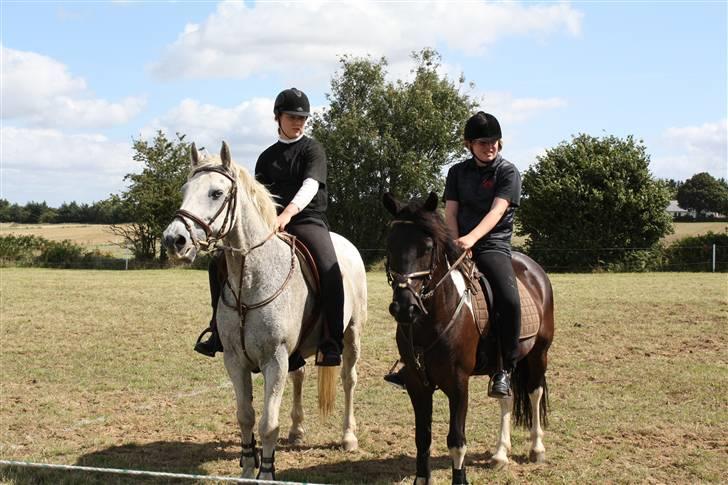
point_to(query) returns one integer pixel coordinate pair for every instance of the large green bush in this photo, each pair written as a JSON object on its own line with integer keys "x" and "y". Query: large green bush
{"x": 696, "y": 253}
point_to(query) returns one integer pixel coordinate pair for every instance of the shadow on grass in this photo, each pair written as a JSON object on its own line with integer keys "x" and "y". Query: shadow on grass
{"x": 188, "y": 458}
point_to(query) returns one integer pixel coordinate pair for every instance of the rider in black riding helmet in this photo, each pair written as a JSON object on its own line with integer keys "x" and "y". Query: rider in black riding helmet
{"x": 294, "y": 171}
{"x": 481, "y": 196}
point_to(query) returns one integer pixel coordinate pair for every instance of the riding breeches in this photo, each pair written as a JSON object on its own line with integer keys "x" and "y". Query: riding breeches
{"x": 498, "y": 269}
{"x": 317, "y": 239}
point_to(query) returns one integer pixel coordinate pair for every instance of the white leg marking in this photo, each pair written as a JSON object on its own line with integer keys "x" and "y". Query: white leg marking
{"x": 503, "y": 447}
{"x": 458, "y": 456}
{"x": 274, "y": 374}
{"x": 538, "y": 451}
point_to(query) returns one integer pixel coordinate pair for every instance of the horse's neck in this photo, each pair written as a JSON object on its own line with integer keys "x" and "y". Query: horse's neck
{"x": 256, "y": 253}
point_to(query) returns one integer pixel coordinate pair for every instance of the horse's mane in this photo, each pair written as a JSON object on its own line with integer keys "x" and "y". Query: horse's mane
{"x": 259, "y": 195}
{"x": 433, "y": 224}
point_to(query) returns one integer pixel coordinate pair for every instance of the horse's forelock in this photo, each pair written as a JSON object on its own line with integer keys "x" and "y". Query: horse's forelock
{"x": 432, "y": 223}
{"x": 259, "y": 195}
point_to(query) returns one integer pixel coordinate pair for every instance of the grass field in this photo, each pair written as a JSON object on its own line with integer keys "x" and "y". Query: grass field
{"x": 91, "y": 236}
{"x": 98, "y": 370}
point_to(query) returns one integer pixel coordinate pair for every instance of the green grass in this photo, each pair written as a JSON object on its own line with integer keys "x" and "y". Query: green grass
{"x": 97, "y": 369}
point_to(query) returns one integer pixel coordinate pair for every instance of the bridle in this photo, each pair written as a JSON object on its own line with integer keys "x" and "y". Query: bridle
{"x": 229, "y": 204}
{"x": 405, "y": 280}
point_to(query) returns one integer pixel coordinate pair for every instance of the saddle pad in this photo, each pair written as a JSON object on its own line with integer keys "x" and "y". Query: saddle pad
{"x": 529, "y": 312}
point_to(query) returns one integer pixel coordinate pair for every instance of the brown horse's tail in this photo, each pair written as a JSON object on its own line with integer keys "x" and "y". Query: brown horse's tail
{"x": 521, "y": 403}
{"x": 327, "y": 377}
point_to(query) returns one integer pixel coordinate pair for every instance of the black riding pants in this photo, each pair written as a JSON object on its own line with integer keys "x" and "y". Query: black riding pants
{"x": 498, "y": 269}
{"x": 316, "y": 237}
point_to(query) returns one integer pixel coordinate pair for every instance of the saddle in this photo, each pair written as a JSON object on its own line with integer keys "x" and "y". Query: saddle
{"x": 311, "y": 275}
{"x": 482, "y": 305}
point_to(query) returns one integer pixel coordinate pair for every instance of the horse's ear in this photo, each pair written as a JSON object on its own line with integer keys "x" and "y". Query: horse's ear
{"x": 225, "y": 155}
{"x": 391, "y": 203}
{"x": 194, "y": 155}
{"x": 431, "y": 202}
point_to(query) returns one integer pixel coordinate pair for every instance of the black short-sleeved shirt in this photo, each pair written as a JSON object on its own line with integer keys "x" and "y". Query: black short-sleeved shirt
{"x": 474, "y": 188}
{"x": 283, "y": 167}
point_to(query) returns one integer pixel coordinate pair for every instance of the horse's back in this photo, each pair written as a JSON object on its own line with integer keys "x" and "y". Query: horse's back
{"x": 533, "y": 276}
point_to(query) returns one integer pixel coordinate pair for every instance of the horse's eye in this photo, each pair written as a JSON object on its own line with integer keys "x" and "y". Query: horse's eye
{"x": 216, "y": 194}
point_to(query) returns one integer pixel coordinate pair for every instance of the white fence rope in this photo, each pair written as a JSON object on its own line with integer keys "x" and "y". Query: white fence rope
{"x": 121, "y": 471}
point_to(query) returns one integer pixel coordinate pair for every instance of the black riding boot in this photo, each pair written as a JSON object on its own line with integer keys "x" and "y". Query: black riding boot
{"x": 396, "y": 378}
{"x": 215, "y": 271}
{"x": 500, "y": 384}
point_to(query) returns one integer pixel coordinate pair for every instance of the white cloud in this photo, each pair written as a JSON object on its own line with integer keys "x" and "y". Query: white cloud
{"x": 248, "y": 127}
{"x": 514, "y": 110}
{"x": 693, "y": 149}
{"x": 240, "y": 40}
{"x": 45, "y": 164}
{"x": 42, "y": 92}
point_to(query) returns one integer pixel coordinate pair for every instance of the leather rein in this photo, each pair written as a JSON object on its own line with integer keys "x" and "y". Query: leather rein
{"x": 212, "y": 241}
{"x": 417, "y": 353}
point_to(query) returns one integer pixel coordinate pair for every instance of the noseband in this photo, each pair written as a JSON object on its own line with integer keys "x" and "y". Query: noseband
{"x": 230, "y": 203}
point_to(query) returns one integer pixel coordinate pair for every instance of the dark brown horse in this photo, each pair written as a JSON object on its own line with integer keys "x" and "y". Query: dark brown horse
{"x": 438, "y": 338}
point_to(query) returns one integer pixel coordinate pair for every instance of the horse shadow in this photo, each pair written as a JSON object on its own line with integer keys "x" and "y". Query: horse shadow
{"x": 189, "y": 457}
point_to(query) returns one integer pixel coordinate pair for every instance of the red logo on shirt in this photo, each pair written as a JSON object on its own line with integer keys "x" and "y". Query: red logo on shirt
{"x": 488, "y": 183}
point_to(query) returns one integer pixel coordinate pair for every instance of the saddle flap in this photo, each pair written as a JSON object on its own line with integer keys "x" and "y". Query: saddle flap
{"x": 483, "y": 302}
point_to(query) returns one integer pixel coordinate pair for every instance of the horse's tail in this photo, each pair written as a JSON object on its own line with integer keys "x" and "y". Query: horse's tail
{"x": 327, "y": 377}
{"x": 521, "y": 402}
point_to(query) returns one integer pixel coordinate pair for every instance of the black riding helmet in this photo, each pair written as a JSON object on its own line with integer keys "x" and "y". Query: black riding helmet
{"x": 482, "y": 125}
{"x": 293, "y": 102}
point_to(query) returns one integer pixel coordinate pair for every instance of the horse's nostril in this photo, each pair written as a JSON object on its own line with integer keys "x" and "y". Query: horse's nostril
{"x": 394, "y": 308}
{"x": 180, "y": 242}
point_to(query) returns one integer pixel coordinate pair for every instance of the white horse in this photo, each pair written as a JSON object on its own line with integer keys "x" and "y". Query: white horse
{"x": 265, "y": 301}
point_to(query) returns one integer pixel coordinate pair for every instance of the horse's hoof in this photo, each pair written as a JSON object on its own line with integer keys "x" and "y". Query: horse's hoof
{"x": 295, "y": 439}
{"x": 537, "y": 457}
{"x": 498, "y": 464}
{"x": 350, "y": 443}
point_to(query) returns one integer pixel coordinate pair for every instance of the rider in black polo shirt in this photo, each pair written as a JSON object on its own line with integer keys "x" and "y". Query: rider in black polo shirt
{"x": 481, "y": 196}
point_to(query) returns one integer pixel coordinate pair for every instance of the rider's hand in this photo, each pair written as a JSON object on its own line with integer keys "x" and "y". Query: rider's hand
{"x": 466, "y": 242}
{"x": 285, "y": 217}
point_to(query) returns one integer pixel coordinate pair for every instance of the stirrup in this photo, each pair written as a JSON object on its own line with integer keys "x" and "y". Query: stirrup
{"x": 496, "y": 388}
{"x": 210, "y": 346}
{"x": 395, "y": 377}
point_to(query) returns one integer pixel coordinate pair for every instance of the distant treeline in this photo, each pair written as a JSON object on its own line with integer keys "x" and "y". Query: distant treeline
{"x": 109, "y": 211}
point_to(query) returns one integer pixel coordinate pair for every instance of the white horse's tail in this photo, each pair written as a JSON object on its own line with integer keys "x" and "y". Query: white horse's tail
{"x": 327, "y": 377}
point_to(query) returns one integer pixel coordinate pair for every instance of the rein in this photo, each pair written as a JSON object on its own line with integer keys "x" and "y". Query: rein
{"x": 211, "y": 240}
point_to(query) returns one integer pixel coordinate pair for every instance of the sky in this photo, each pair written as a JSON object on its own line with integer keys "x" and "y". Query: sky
{"x": 81, "y": 81}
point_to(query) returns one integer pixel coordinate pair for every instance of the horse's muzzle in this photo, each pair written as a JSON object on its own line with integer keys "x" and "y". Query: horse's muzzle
{"x": 178, "y": 246}
{"x": 404, "y": 313}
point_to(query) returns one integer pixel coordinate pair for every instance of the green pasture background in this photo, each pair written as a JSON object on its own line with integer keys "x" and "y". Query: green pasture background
{"x": 97, "y": 369}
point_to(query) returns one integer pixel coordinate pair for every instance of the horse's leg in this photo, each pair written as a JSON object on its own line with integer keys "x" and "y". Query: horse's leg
{"x": 295, "y": 435}
{"x": 243, "y": 385}
{"x": 274, "y": 373}
{"x": 348, "y": 379}
{"x": 538, "y": 451}
{"x": 536, "y": 388}
{"x": 503, "y": 447}
{"x": 456, "y": 442}
{"x": 422, "y": 404}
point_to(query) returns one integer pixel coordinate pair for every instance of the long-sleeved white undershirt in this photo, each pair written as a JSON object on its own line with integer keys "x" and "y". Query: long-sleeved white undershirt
{"x": 305, "y": 194}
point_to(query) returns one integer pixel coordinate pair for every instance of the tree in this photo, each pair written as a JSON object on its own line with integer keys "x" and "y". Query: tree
{"x": 154, "y": 194}
{"x": 585, "y": 200}
{"x": 704, "y": 193}
{"x": 672, "y": 185}
{"x": 385, "y": 136}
